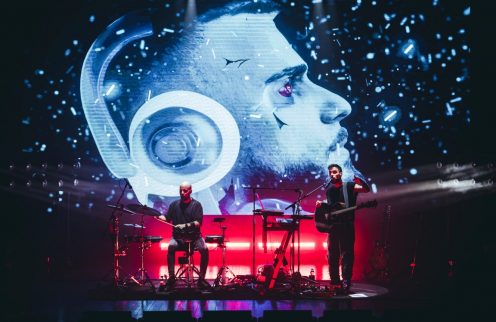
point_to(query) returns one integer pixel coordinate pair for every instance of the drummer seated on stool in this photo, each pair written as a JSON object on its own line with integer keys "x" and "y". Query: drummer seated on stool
{"x": 186, "y": 214}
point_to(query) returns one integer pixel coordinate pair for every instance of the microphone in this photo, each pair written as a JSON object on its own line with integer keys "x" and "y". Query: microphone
{"x": 327, "y": 184}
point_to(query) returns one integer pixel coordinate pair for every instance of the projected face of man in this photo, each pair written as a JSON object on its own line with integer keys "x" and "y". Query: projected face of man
{"x": 286, "y": 121}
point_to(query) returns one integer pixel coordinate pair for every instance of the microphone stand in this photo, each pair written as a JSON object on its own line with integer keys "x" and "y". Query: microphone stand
{"x": 296, "y": 219}
{"x": 300, "y": 197}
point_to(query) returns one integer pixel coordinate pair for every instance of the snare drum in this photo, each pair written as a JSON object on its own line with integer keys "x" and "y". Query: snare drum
{"x": 186, "y": 237}
{"x": 214, "y": 239}
{"x": 140, "y": 239}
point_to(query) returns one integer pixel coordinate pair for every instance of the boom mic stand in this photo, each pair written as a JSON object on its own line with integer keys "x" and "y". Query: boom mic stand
{"x": 295, "y": 206}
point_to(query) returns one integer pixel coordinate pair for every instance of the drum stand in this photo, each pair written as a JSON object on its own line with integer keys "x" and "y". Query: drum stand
{"x": 141, "y": 276}
{"x": 221, "y": 279}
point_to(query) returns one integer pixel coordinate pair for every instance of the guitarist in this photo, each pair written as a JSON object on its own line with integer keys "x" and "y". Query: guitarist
{"x": 341, "y": 238}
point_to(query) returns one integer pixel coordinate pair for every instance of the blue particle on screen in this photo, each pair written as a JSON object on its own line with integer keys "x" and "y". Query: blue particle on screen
{"x": 91, "y": 18}
{"x": 378, "y": 89}
{"x": 49, "y": 210}
{"x": 413, "y": 171}
{"x": 408, "y": 49}
{"x": 129, "y": 195}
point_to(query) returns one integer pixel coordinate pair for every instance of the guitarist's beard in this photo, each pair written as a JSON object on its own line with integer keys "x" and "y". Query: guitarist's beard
{"x": 334, "y": 180}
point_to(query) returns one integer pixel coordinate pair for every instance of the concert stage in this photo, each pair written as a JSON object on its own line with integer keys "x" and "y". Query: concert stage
{"x": 284, "y": 120}
{"x": 320, "y": 291}
{"x": 75, "y": 298}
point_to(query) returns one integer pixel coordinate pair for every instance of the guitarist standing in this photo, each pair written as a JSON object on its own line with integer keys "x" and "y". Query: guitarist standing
{"x": 341, "y": 237}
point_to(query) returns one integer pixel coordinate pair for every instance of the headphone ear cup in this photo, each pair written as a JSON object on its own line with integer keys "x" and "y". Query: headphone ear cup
{"x": 182, "y": 136}
{"x": 108, "y": 139}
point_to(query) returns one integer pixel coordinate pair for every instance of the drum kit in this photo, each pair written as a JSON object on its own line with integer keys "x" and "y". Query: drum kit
{"x": 140, "y": 277}
{"x": 224, "y": 278}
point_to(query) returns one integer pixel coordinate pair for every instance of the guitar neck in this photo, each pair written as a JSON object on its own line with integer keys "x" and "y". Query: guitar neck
{"x": 337, "y": 212}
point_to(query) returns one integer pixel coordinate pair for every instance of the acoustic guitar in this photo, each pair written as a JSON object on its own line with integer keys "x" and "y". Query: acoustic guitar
{"x": 326, "y": 218}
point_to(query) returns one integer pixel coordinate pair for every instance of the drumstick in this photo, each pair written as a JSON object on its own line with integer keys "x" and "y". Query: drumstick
{"x": 163, "y": 221}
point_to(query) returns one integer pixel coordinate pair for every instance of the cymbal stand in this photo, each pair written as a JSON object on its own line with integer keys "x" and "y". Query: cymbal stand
{"x": 254, "y": 190}
{"x": 141, "y": 274}
{"x": 116, "y": 249}
{"x": 221, "y": 278}
{"x": 117, "y": 252}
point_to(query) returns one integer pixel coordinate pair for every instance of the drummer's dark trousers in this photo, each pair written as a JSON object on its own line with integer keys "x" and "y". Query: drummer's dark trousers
{"x": 177, "y": 244}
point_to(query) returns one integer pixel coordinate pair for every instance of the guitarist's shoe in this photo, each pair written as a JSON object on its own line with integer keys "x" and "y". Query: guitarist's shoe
{"x": 335, "y": 286}
{"x": 346, "y": 285}
{"x": 335, "y": 282}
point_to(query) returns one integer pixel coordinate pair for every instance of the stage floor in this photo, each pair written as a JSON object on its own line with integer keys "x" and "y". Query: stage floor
{"x": 67, "y": 299}
{"x": 309, "y": 291}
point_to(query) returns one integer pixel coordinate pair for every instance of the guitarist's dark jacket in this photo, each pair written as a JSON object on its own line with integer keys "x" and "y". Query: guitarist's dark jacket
{"x": 335, "y": 196}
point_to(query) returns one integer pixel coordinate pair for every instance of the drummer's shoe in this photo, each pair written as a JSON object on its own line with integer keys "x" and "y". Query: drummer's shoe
{"x": 203, "y": 284}
{"x": 170, "y": 285}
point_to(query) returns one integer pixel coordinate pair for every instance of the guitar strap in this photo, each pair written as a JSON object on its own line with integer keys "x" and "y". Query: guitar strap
{"x": 345, "y": 194}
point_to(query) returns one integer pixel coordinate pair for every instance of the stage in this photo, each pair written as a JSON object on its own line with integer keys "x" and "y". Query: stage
{"x": 110, "y": 106}
{"x": 79, "y": 299}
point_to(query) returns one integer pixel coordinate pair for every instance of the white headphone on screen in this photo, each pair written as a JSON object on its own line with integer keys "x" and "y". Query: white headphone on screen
{"x": 173, "y": 137}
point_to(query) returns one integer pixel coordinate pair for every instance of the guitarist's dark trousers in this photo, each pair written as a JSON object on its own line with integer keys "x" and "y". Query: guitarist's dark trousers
{"x": 340, "y": 241}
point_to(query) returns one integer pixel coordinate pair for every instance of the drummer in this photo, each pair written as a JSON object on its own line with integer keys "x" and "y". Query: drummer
{"x": 186, "y": 214}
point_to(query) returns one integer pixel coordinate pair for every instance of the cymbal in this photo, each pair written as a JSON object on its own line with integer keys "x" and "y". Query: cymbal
{"x": 143, "y": 210}
{"x": 134, "y": 225}
{"x": 121, "y": 208}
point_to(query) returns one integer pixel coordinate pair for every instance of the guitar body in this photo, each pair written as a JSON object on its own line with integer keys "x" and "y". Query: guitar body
{"x": 378, "y": 270}
{"x": 326, "y": 217}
